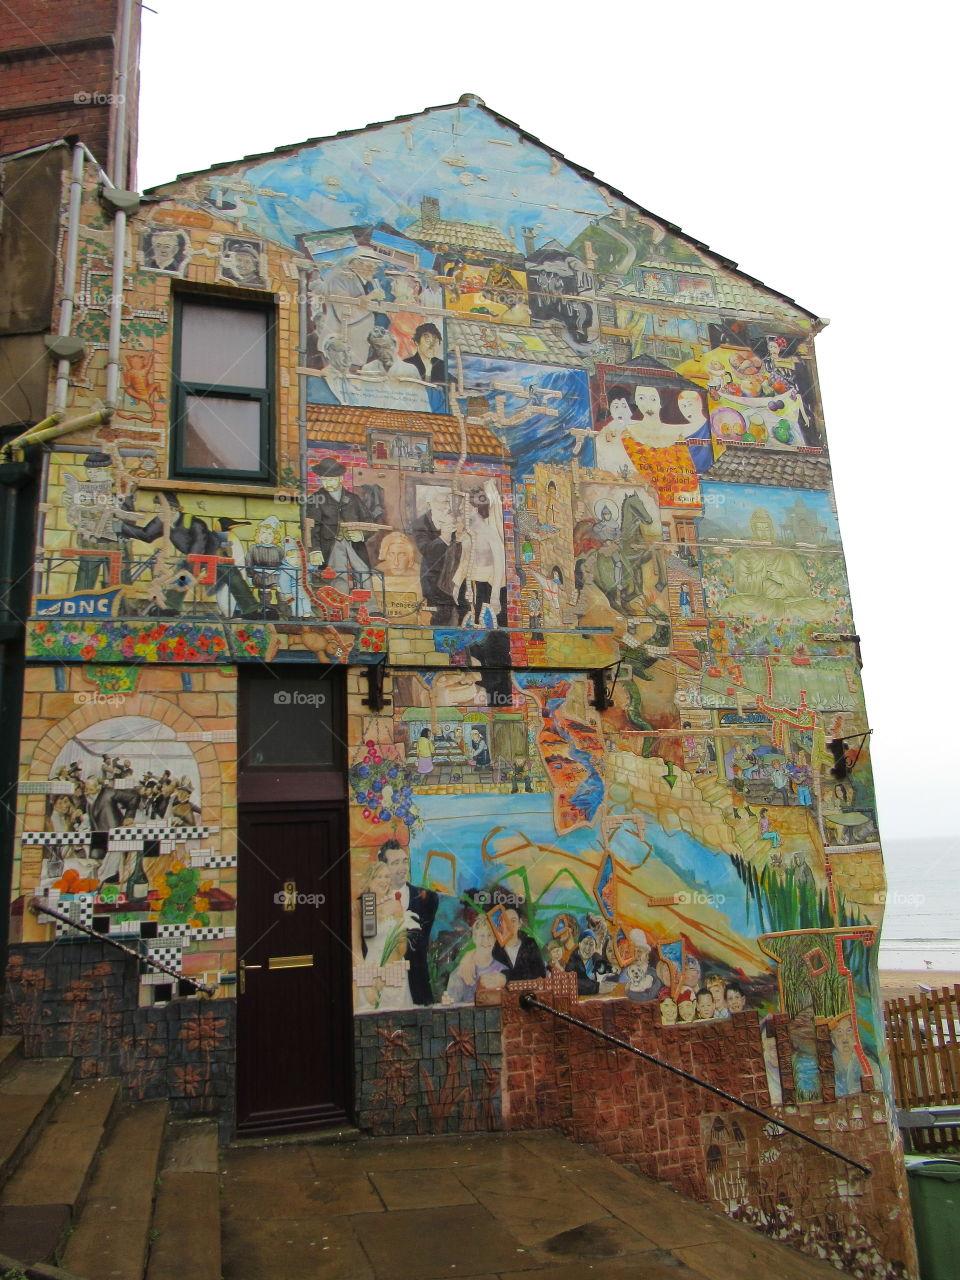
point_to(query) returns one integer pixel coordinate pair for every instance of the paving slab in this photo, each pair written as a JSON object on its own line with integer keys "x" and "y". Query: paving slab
{"x": 32, "y": 1233}
{"x": 28, "y": 1093}
{"x": 659, "y": 1264}
{"x": 57, "y": 1170}
{"x": 420, "y": 1188}
{"x": 185, "y": 1231}
{"x": 533, "y": 1200}
{"x": 312, "y": 1248}
{"x": 192, "y": 1147}
{"x": 744, "y": 1259}
{"x": 290, "y": 1182}
{"x": 462, "y": 1240}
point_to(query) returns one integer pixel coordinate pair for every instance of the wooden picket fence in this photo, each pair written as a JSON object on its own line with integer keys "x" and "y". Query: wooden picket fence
{"x": 923, "y": 1037}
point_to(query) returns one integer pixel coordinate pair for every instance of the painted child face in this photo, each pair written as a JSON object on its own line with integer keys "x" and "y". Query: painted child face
{"x": 668, "y": 1012}
{"x": 686, "y": 1010}
{"x": 482, "y": 934}
{"x": 736, "y": 1001}
{"x": 705, "y": 1006}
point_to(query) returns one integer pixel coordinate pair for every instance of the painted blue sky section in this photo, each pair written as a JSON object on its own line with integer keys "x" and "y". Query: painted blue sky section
{"x": 539, "y": 437}
{"x": 479, "y": 170}
{"x": 730, "y": 506}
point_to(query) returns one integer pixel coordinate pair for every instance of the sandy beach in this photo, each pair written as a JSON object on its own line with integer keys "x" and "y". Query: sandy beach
{"x": 904, "y": 982}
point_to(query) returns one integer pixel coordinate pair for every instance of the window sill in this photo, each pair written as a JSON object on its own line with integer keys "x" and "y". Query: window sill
{"x": 224, "y": 486}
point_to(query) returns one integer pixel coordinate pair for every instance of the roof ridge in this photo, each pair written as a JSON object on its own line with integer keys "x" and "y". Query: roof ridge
{"x": 473, "y": 101}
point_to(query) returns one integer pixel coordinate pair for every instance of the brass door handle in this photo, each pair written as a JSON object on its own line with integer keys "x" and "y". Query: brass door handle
{"x": 242, "y": 968}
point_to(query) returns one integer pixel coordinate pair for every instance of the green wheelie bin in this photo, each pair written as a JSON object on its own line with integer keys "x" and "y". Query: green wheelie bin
{"x": 934, "y": 1184}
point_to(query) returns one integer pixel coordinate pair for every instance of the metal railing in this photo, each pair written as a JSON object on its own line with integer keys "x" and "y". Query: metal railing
{"x": 39, "y": 907}
{"x": 528, "y": 1002}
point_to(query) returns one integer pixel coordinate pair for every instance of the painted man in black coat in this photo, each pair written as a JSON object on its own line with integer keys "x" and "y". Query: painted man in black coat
{"x": 518, "y": 953}
{"x": 420, "y": 909}
{"x": 331, "y": 512}
{"x": 192, "y": 536}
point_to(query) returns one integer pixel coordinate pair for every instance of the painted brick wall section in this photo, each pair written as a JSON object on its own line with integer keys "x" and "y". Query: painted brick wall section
{"x": 429, "y": 1071}
{"x": 558, "y": 1076}
{"x": 79, "y": 1000}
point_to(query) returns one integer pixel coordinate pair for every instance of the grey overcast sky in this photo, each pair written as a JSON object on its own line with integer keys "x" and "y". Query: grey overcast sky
{"x": 813, "y": 144}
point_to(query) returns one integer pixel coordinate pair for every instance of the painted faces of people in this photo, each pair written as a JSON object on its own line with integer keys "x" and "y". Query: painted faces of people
{"x": 647, "y": 400}
{"x": 398, "y": 864}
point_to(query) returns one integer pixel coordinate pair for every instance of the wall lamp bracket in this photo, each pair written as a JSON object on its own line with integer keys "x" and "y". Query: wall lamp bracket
{"x": 375, "y": 699}
{"x": 604, "y": 681}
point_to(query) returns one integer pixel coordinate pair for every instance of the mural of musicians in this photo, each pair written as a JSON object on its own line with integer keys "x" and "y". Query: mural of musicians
{"x": 191, "y": 536}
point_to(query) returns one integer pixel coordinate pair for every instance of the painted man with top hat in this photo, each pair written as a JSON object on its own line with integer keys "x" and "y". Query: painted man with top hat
{"x": 333, "y": 515}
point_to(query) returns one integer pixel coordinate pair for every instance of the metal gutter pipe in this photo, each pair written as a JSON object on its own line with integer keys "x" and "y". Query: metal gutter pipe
{"x": 69, "y": 273}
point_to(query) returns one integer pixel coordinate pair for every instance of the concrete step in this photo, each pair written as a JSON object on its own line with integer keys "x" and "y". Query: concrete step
{"x": 11, "y": 1052}
{"x": 58, "y": 1169}
{"x": 186, "y": 1215}
{"x": 28, "y": 1094}
{"x": 111, "y": 1239}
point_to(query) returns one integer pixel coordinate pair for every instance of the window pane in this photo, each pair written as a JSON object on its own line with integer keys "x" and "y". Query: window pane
{"x": 222, "y": 432}
{"x": 223, "y": 345}
{"x": 289, "y": 722}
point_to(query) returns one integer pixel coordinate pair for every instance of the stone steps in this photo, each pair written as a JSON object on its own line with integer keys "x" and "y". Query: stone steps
{"x": 108, "y": 1192}
{"x": 112, "y": 1237}
{"x": 29, "y": 1092}
{"x": 46, "y": 1193}
{"x": 186, "y": 1216}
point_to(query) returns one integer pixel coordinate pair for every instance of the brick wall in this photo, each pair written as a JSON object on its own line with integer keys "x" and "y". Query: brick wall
{"x": 428, "y": 1071}
{"x": 59, "y": 67}
{"x": 558, "y": 1076}
{"x": 79, "y": 1000}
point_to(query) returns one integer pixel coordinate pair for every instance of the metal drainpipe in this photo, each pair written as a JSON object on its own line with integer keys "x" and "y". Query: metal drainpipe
{"x": 119, "y": 167}
{"x": 69, "y": 274}
{"x": 118, "y": 179}
{"x": 116, "y": 309}
{"x": 302, "y": 278}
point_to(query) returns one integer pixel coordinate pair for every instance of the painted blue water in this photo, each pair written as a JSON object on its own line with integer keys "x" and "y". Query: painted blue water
{"x": 457, "y": 825}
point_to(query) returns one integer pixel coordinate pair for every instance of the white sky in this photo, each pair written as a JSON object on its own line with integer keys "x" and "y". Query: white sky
{"x": 813, "y": 144}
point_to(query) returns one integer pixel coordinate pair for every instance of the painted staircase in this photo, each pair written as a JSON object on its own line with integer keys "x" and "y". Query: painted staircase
{"x": 746, "y": 831}
{"x": 97, "y": 1188}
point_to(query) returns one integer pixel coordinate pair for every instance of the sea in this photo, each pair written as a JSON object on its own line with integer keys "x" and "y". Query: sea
{"x": 921, "y": 923}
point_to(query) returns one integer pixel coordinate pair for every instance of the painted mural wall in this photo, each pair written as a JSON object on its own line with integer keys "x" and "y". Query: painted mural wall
{"x": 525, "y": 432}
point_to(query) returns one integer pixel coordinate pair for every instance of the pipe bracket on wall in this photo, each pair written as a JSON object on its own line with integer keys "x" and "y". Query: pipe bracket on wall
{"x": 65, "y": 347}
{"x": 120, "y": 201}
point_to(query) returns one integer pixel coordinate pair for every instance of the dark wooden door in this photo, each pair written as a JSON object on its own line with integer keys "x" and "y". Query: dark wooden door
{"x": 294, "y": 1016}
{"x": 295, "y": 1043}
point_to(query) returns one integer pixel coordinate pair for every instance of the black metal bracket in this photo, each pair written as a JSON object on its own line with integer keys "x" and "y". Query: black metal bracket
{"x": 375, "y": 698}
{"x": 603, "y": 686}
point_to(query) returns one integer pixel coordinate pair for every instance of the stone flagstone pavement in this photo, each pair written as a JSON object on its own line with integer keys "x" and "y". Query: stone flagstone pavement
{"x": 481, "y": 1206}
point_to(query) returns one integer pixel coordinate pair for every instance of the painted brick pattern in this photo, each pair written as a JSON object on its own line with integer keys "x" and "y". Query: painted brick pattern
{"x": 80, "y": 1000}
{"x": 429, "y": 1071}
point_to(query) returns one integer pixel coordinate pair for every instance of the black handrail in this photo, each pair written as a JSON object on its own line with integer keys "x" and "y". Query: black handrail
{"x": 529, "y": 1001}
{"x": 38, "y": 904}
